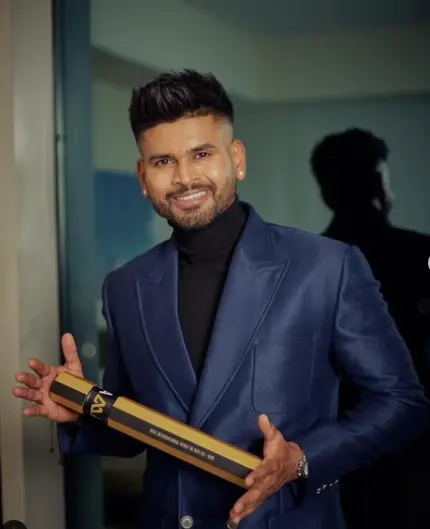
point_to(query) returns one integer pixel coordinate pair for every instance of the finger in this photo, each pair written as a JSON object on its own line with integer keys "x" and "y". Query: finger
{"x": 36, "y": 411}
{"x": 276, "y": 485}
{"x": 264, "y": 469}
{"x": 247, "y": 504}
{"x": 269, "y": 483}
{"x": 267, "y": 428}
{"x": 32, "y": 395}
{"x": 29, "y": 380}
{"x": 39, "y": 367}
{"x": 248, "y": 511}
{"x": 272, "y": 482}
{"x": 70, "y": 352}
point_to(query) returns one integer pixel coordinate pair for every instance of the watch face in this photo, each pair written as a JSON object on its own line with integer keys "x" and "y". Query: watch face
{"x": 303, "y": 469}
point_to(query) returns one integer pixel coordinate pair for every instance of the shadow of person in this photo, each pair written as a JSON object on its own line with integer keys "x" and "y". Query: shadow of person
{"x": 351, "y": 169}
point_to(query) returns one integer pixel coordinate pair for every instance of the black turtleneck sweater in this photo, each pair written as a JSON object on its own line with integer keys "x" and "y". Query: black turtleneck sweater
{"x": 204, "y": 259}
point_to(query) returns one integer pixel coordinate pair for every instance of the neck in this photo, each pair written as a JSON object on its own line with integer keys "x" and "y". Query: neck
{"x": 215, "y": 242}
{"x": 359, "y": 220}
{"x": 368, "y": 212}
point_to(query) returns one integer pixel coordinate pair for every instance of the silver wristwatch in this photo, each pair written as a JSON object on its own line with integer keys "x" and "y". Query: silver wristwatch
{"x": 302, "y": 468}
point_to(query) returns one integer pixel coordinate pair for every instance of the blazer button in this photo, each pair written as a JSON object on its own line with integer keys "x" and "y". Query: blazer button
{"x": 187, "y": 522}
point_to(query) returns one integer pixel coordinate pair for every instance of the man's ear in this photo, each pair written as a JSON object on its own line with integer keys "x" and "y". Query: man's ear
{"x": 141, "y": 176}
{"x": 238, "y": 153}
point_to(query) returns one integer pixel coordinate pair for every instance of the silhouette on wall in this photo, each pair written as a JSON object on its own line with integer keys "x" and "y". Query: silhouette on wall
{"x": 352, "y": 171}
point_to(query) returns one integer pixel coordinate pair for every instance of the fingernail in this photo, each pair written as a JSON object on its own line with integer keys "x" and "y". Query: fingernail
{"x": 68, "y": 338}
{"x": 231, "y": 524}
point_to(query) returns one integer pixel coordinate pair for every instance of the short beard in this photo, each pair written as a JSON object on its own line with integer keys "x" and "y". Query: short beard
{"x": 194, "y": 220}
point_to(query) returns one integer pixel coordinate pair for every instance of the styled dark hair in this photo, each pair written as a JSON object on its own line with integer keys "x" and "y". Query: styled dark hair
{"x": 174, "y": 95}
{"x": 344, "y": 165}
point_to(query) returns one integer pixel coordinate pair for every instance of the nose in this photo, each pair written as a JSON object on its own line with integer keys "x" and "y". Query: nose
{"x": 184, "y": 174}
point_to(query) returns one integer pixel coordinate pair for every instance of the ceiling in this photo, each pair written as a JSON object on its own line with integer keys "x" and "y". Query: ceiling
{"x": 287, "y": 17}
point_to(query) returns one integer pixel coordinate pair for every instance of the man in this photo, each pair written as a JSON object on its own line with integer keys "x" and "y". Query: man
{"x": 241, "y": 329}
{"x": 351, "y": 168}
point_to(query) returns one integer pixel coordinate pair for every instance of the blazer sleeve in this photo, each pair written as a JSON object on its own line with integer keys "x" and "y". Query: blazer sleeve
{"x": 91, "y": 436}
{"x": 372, "y": 355}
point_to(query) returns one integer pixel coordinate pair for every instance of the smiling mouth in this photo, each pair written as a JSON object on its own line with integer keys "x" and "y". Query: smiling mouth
{"x": 190, "y": 199}
{"x": 191, "y": 196}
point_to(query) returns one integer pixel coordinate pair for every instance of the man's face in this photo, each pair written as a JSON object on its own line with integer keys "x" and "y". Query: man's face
{"x": 189, "y": 169}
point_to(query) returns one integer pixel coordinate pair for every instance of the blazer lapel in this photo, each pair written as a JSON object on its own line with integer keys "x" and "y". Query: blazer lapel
{"x": 253, "y": 280}
{"x": 157, "y": 296}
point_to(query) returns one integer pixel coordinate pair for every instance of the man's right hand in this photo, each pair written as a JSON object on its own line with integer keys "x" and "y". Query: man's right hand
{"x": 37, "y": 385}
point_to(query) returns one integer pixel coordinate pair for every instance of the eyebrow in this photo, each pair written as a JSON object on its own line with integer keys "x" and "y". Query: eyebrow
{"x": 198, "y": 148}
{"x": 203, "y": 147}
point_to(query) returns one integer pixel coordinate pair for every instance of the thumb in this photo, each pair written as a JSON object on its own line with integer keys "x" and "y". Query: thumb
{"x": 267, "y": 428}
{"x": 70, "y": 352}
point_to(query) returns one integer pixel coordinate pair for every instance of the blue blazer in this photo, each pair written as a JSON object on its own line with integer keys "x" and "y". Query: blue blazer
{"x": 298, "y": 312}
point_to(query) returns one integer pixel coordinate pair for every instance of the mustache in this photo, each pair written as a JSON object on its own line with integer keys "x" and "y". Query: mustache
{"x": 188, "y": 189}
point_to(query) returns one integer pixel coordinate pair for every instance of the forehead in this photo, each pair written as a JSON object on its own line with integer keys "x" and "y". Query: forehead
{"x": 184, "y": 134}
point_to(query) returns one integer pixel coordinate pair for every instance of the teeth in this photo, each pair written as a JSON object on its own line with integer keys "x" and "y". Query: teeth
{"x": 193, "y": 196}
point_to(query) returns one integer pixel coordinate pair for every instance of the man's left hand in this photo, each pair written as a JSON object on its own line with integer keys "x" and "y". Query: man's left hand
{"x": 279, "y": 467}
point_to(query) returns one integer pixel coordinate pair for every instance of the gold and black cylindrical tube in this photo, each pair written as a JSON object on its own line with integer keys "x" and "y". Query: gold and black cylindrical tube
{"x": 154, "y": 429}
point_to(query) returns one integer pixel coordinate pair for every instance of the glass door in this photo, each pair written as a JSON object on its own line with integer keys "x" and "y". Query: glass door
{"x": 79, "y": 288}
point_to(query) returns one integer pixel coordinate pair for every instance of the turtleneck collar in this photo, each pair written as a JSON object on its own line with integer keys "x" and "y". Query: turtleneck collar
{"x": 215, "y": 242}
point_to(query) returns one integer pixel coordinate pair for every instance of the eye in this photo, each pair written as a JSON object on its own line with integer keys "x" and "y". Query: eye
{"x": 202, "y": 154}
{"x": 162, "y": 162}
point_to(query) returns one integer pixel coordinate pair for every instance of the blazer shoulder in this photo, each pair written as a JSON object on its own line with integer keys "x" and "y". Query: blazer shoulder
{"x": 307, "y": 245}
{"x": 410, "y": 240}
